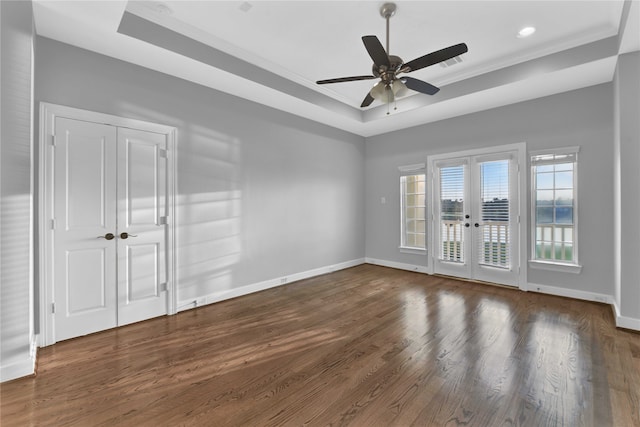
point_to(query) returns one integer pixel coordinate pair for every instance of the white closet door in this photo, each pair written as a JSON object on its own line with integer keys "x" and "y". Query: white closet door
{"x": 142, "y": 189}
{"x": 84, "y": 199}
{"x": 110, "y": 198}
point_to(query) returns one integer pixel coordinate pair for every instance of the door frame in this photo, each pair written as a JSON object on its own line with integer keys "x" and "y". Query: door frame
{"x": 44, "y": 241}
{"x": 520, "y": 252}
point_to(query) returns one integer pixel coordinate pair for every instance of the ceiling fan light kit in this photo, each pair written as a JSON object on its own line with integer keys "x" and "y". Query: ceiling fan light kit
{"x": 387, "y": 67}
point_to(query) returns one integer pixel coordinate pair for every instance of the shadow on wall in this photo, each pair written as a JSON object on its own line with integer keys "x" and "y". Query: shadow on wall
{"x": 209, "y": 207}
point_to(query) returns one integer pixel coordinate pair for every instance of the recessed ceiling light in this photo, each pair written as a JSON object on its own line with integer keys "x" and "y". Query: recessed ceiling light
{"x": 245, "y": 7}
{"x": 526, "y": 32}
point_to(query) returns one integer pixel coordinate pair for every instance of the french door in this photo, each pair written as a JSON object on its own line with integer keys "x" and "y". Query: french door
{"x": 109, "y": 200}
{"x": 476, "y": 217}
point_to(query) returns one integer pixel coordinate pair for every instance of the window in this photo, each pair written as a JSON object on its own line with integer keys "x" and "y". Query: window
{"x": 412, "y": 201}
{"x": 494, "y": 244}
{"x": 452, "y": 204}
{"x": 554, "y": 179}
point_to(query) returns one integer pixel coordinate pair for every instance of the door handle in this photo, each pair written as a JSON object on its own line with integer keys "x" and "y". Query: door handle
{"x": 476, "y": 225}
{"x": 108, "y": 236}
{"x": 467, "y": 225}
{"x": 126, "y": 235}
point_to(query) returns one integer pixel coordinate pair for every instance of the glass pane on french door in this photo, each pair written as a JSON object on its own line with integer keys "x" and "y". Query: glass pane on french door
{"x": 452, "y": 208}
{"x": 493, "y": 237}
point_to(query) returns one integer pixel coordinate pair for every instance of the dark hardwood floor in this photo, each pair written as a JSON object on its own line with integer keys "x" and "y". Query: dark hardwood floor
{"x": 367, "y": 346}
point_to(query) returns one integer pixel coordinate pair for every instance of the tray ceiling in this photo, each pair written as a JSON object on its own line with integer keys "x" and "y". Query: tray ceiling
{"x": 272, "y": 52}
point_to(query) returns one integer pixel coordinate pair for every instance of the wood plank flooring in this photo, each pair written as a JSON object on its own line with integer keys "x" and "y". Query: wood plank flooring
{"x": 367, "y": 346}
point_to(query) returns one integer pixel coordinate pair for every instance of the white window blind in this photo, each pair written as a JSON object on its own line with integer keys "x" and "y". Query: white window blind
{"x": 494, "y": 241}
{"x": 452, "y": 183}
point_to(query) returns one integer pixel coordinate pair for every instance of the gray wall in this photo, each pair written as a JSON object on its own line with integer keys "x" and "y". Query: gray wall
{"x": 261, "y": 193}
{"x": 579, "y": 118}
{"x": 15, "y": 191}
{"x": 626, "y": 161}
{"x": 264, "y": 194}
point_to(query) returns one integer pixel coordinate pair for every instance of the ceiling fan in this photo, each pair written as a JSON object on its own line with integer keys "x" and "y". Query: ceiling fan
{"x": 387, "y": 67}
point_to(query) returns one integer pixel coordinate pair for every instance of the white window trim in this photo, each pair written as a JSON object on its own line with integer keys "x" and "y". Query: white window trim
{"x": 412, "y": 250}
{"x": 409, "y": 169}
{"x": 406, "y": 170}
{"x": 521, "y": 149}
{"x": 555, "y": 265}
{"x": 551, "y": 265}
{"x": 555, "y": 151}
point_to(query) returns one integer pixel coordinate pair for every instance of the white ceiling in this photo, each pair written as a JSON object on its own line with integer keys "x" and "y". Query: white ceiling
{"x": 272, "y": 52}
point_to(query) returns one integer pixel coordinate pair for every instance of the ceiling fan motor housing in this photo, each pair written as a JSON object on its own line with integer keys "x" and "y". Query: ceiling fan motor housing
{"x": 388, "y": 74}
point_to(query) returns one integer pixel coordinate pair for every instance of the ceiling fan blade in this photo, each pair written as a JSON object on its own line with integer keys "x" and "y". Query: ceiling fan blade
{"x": 435, "y": 57}
{"x": 367, "y": 101}
{"x": 376, "y": 51}
{"x": 345, "y": 79}
{"x": 420, "y": 86}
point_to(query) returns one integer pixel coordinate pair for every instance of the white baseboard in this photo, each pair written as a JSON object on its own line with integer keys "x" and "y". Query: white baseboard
{"x": 621, "y": 321}
{"x": 20, "y": 368}
{"x": 267, "y": 284}
{"x": 397, "y": 265}
{"x": 570, "y": 293}
{"x": 628, "y": 323}
{"x": 624, "y": 321}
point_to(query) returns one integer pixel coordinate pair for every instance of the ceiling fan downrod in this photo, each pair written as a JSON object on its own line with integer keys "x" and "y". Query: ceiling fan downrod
{"x": 387, "y": 11}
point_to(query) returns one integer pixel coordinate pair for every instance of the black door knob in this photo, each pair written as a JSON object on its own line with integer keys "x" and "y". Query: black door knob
{"x": 476, "y": 225}
{"x": 467, "y": 225}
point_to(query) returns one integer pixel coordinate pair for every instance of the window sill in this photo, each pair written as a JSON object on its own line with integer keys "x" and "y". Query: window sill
{"x": 416, "y": 251}
{"x": 555, "y": 266}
